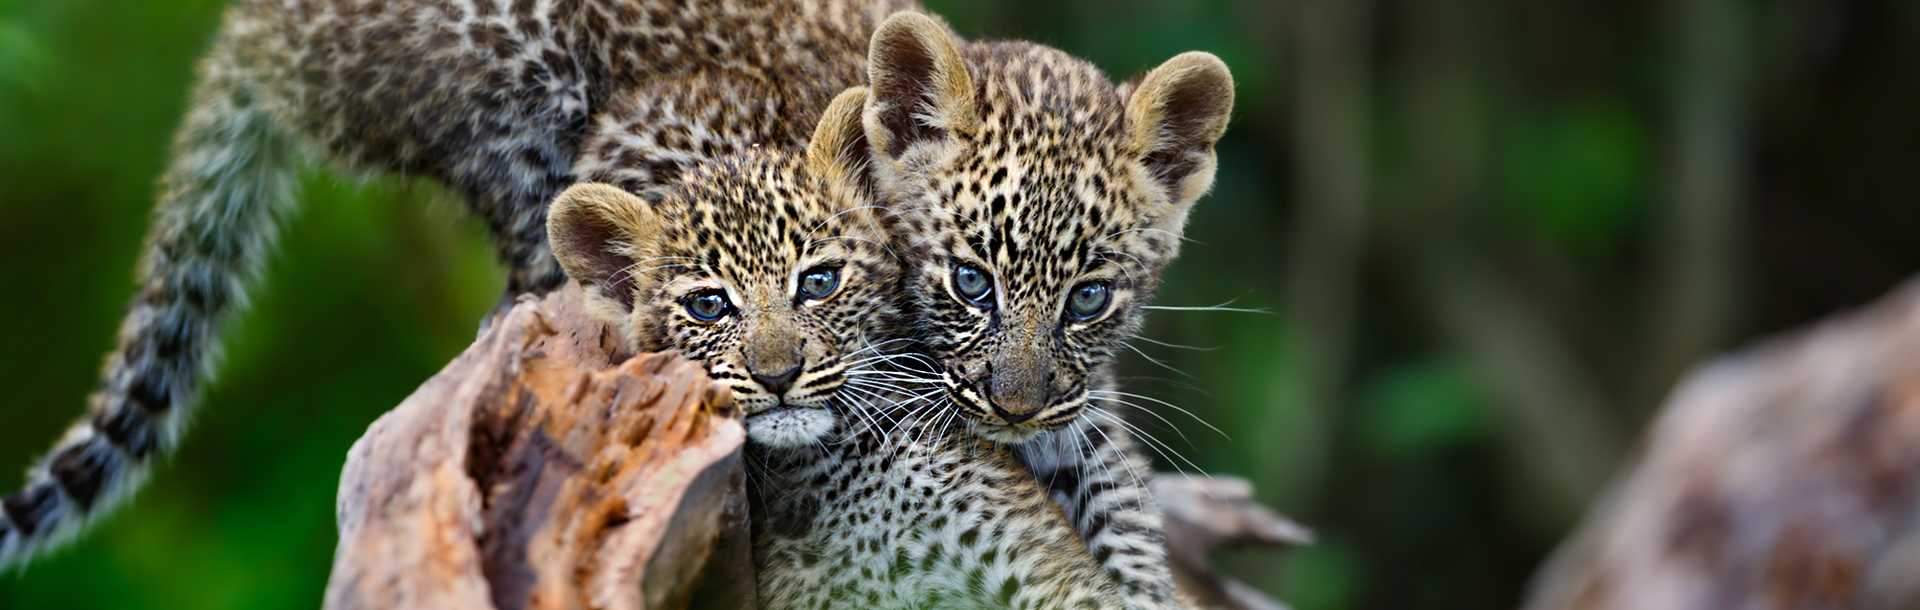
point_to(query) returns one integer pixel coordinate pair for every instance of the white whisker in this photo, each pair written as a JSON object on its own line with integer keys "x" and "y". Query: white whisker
{"x": 1131, "y": 472}
{"x": 1157, "y": 361}
{"x": 1152, "y": 442}
{"x": 1166, "y": 344}
{"x": 1163, "y": 419}
{"x": 1169, "y": 405}
{"x": 1220, "y": 307}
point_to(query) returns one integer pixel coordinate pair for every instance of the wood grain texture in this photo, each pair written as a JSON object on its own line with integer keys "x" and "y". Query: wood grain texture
{"x": 542, "y": 469}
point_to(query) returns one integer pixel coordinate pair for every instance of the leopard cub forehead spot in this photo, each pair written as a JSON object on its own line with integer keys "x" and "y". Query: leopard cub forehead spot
{"x": 753, "y": 218}
{"x": 1044, "y": 188}
{"x": 750, "y": 225}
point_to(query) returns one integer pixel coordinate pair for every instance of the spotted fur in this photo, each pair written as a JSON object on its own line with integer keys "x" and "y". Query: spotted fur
{"x": 1030, "y": 165}
{"x": 915, "y": 516}
{"x": 508, "y": 102}
{"x": 748, "y": 227}
{"x": 851, "y": 508}
{"x": 498, "y": 99}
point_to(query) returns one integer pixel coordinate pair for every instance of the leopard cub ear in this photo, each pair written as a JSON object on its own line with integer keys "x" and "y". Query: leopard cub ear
{"x": 597, "y": 232}
{"x": 838, "y": 152}
{"x": 1175, "y": 116}
{"x": 922, "y": 89}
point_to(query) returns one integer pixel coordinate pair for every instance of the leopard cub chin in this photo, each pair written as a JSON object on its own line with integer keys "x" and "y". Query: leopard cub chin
{"x": 791, "y": 426}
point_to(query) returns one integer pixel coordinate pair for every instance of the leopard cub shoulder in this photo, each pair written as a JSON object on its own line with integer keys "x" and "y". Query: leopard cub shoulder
{"x": 914, "y": 515}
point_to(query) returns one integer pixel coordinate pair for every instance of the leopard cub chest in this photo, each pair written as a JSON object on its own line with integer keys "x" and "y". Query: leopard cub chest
{"x": 913, "y": 517}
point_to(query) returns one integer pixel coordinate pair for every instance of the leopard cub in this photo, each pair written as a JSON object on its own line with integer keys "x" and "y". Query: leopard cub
{"x": 771, "y": 267}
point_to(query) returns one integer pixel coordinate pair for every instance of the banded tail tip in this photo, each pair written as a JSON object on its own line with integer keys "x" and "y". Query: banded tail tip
{"x": 9, "y": 541}
{"x": 33, "y": 515}
{"x": 83, "y": 479}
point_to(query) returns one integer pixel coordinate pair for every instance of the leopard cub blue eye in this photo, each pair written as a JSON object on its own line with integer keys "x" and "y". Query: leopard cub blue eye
{"x": 819, "y": 282}
{"x": 707, "y": 305}
{"x": 1089, "y": 299}
{"x": 973, "y": 284}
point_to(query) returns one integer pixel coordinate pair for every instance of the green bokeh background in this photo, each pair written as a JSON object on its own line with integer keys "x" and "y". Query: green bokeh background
{"x": 1537, "y": 150}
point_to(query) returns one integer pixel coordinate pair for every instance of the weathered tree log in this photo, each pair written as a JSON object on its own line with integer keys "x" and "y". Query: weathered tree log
{"x": 534, "y": 473}
{"x": 1780, "y": 478}
{"x": 544, "y": 469}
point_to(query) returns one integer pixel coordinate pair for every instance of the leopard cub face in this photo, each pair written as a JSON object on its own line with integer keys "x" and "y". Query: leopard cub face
{"x": 767, "y": 266}
{"x": 1036, "y": 204}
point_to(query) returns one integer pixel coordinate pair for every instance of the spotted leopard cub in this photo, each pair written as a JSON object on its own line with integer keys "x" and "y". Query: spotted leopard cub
{"x": 504, "y": 102}
{"x": 749, "y": 264}
{"x": 1036, "y": 204}
{"x": 771, "y": 267}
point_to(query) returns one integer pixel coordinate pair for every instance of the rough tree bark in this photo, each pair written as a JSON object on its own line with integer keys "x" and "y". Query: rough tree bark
{"x": 1780, "y": 478}
{"x": 543, "y": 469}
{"x": 534, "y": 472}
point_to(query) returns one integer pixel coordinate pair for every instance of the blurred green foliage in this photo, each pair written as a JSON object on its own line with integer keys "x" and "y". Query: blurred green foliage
{"x": 1573, "y": 176}
{"x": 1419, "y": 408}
{"x": 242, "y": 517}
{"x": 1548, "y": 128}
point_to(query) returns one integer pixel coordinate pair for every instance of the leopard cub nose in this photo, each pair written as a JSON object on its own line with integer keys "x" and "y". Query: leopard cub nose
{"x": 777, "y": 383}
{"x": 1018, "y": 393}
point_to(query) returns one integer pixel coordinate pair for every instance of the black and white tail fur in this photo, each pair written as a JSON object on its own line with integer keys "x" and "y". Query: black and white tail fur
{"x": 230, "y": 175}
